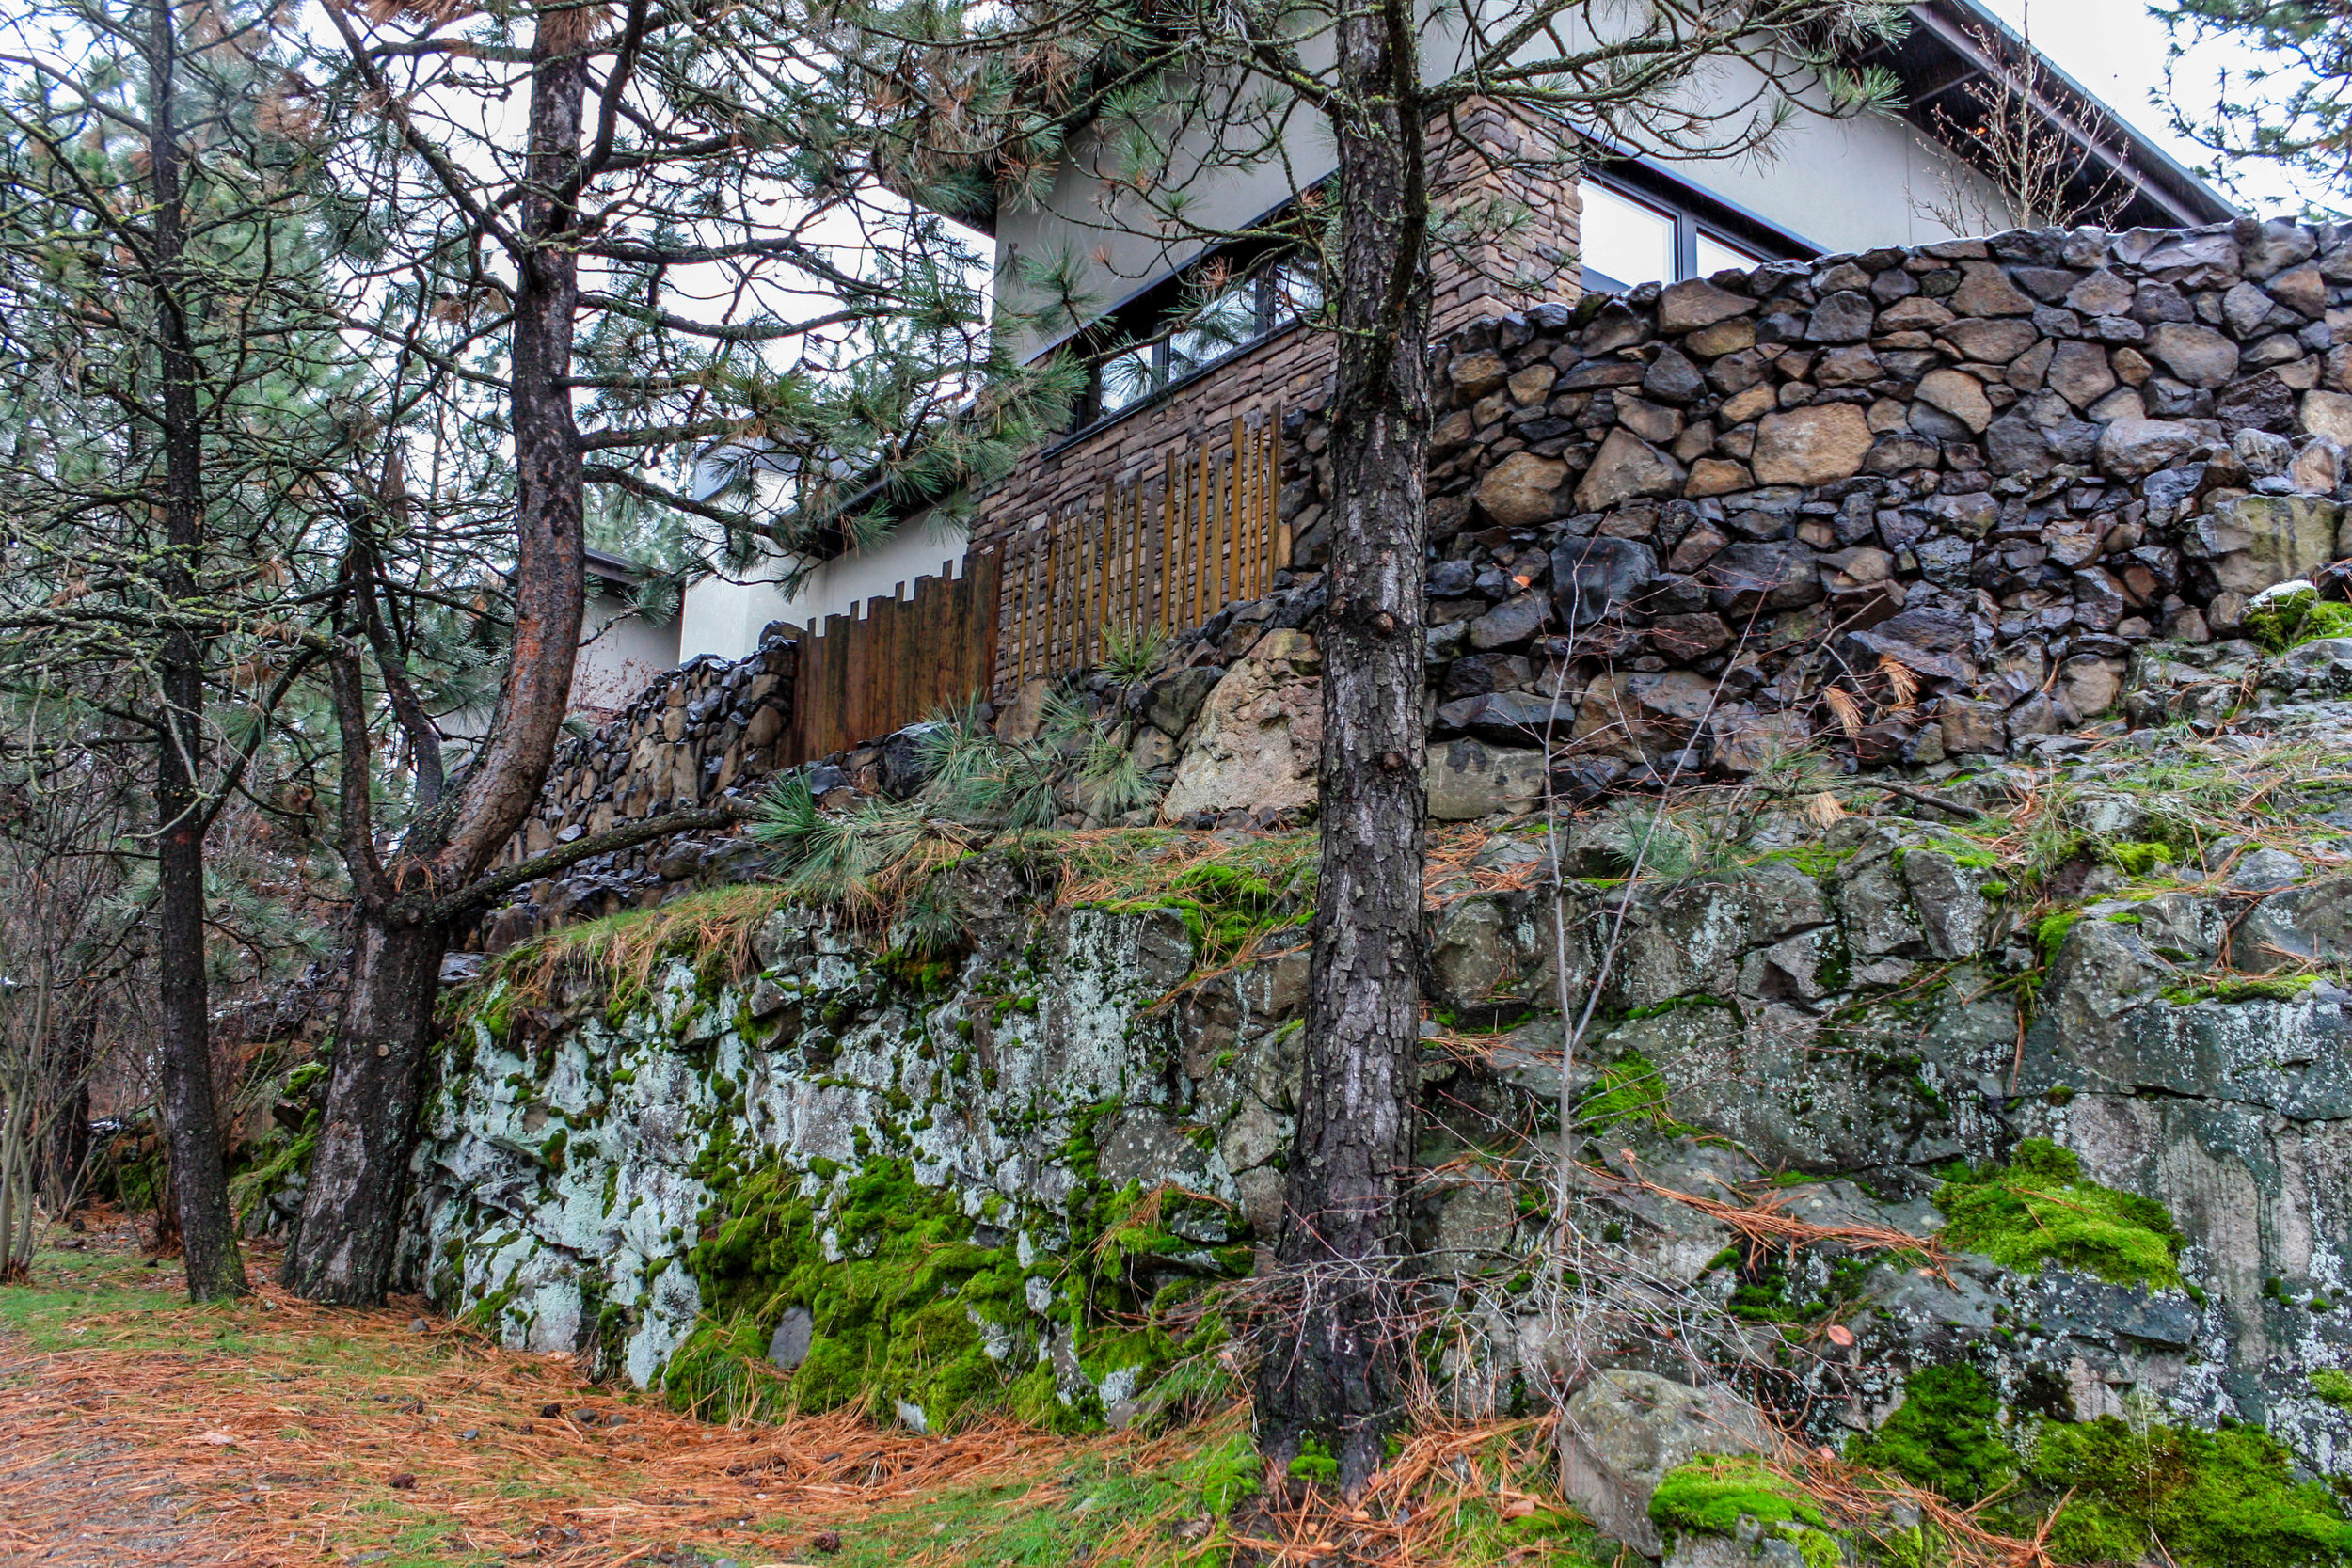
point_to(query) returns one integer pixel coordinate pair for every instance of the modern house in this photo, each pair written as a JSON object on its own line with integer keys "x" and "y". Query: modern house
{"x": 621, "y": 648}
{"x": 1158, "y": 441}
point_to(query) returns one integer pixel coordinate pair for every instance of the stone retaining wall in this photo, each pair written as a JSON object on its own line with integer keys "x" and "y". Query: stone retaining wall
{"x": 705, "y": 730}
{"x": 1998, "y": 465}
{"x": 1911, "y": 504}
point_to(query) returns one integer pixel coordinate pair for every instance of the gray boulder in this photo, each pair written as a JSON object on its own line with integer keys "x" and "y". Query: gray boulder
{"x": 1623, "y": 1430}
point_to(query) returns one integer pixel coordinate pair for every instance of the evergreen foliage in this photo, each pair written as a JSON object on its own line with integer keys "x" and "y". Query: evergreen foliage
{"x": 2291, "y": 108}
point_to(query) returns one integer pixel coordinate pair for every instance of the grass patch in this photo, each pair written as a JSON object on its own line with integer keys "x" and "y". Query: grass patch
{"x": 711, "y": 929}
{"x": 2039, "y": 1209}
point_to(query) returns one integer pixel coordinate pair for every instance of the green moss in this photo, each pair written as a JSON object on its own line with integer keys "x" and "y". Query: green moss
{"x": 909, "y": 1307}
{"x": 1225, "y": 906}
{"x": 2333, "y": 1385}
{"x": 1630, "y": 1089}
{"x": 2290, "y": 620}
{"x": 282, "y": 1155}
{"x": 1314, "y": 1464}
{"x": 2247, "y": 988}
{"x": 2220, "y": 1500}
{"x": 922, "y": 974}
{"x": 889, "y": 1317}
{"x": 2040, "y": 1210}
{"x": 1711, "y": 1493}
{"x": 1817, "y": 861}
{"x": 2049, "y": 932}
{"x": 2134, "y": 858}
{"x": 1946, "y": 1436}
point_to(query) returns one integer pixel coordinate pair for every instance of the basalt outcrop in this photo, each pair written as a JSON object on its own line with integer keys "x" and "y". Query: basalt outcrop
{"x": 1846, "y": 1022}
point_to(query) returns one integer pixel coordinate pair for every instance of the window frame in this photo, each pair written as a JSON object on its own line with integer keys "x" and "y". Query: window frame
{"x": 1695, "y": 212}
{"x": 1164, "y": 309}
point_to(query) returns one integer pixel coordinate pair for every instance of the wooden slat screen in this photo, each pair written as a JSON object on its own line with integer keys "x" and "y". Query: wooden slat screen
{"x": 860, "y": 679}
{"x": 1166, "y": 548}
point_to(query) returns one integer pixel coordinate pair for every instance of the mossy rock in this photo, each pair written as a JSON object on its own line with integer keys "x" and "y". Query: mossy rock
{"x": 2038, "y": 1211}
{"x": 2153, "y": 1492}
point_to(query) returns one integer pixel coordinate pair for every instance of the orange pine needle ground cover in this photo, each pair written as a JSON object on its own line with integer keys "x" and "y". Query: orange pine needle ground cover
{"x": 144, "y": 1430}
{"x": 137, "y": 1430}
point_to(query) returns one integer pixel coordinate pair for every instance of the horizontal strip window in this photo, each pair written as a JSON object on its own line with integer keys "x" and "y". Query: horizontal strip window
{"x": 1193, "y": 340}
{"x": 1640, "y": 228}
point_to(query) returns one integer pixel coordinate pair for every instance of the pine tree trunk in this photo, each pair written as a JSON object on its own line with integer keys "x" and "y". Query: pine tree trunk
{"x": 191, "y": 1121}
{"x": 343, "y": 1245}
{"x": 342, "y": 1250}
{"x": 1337, "y": 1382}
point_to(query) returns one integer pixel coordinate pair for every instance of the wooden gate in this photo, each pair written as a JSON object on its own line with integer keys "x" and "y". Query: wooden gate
{"x": 1166, "y": 549}
{"x": 860, "y": 677}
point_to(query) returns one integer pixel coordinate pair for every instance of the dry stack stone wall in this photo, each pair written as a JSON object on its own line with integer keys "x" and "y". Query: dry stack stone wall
{"x": 1913, "y": 504}
{"x": 704, "y": 730}
{"x": 2000, "y": 465}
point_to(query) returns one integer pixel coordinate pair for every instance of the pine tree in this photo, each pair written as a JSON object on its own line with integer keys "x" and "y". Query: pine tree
{"x": 2289, "y": 109}
{"x": 598, "y": 243}
{"x": 1171, "y": 98}
{"x": 165, "y": 368}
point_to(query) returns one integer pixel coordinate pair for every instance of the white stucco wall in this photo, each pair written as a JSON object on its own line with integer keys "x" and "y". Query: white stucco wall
{"x": 724, "y": 615}
{"x": 1842, "y": 185}
{"x": 1849, "y": 183}
{"x": 620, "y": 651}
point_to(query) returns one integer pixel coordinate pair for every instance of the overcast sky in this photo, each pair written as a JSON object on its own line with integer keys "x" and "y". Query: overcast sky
{"x": 2117, "y": 49}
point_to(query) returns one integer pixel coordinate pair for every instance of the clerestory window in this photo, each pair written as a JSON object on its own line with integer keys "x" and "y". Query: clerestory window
{"x": 1184, "y": 338}
{"x": 1653, "y": 233}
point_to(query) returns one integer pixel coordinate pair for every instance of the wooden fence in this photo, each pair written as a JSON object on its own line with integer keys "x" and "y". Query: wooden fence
{"x": 860, "y": 679}
{"x": 1166, "y": 549}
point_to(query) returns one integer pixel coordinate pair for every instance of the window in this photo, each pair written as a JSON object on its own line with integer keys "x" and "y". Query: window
{"x": 1720, "y": 255}
{"x": 1664, "y": 235}
{"x": 1192, "y": 339}
{"x": 1626, "y": 242}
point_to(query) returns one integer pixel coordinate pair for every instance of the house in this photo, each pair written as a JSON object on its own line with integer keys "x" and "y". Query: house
{"x": 621, "y": 648}
{"x": 1174, "y": 390}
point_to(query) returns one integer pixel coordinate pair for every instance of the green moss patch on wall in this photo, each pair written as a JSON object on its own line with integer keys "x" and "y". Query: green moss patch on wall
{"x": 1709, "y": 1495}
{"x": 2139, "y": 1492}
{"x": 913, "y": 1301}
{"x": 1946, "y": 1436}
{"x": 2291, "y": 619}
{"x": 2039, "y": 1209}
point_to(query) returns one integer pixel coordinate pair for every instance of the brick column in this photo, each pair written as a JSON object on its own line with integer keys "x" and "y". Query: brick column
{"x": 1489, "y": 162}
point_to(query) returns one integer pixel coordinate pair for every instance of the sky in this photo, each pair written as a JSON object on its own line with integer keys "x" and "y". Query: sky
{"x": 2117, "y": 49}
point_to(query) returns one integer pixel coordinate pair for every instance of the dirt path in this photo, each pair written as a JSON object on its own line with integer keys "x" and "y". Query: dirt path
{"x": 135, "y": 1431}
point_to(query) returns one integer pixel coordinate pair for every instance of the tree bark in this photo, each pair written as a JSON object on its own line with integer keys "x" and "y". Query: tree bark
{"x": 191, "y": 1121}
{"x": 1336, "y": 1382}
{"x": 342, "y": 1250}
{"x": 343, "y": 1245}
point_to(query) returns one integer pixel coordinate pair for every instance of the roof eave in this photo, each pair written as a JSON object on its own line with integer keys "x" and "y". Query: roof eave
{"x": 1941, "y": 54}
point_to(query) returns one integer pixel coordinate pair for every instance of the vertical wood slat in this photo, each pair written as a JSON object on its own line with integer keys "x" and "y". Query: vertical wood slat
{"x": 1109, "y": 564}
{"x": 1199, "y": 550}
{"x": 859, "y": 679}
{"x": 1167, "y": 544}
{"x": 1105, "y": 558}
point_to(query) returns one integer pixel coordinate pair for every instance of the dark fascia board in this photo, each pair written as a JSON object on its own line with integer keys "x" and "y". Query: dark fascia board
{"x": 617, "y": 571}
{"x": 1940, "y": 53}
